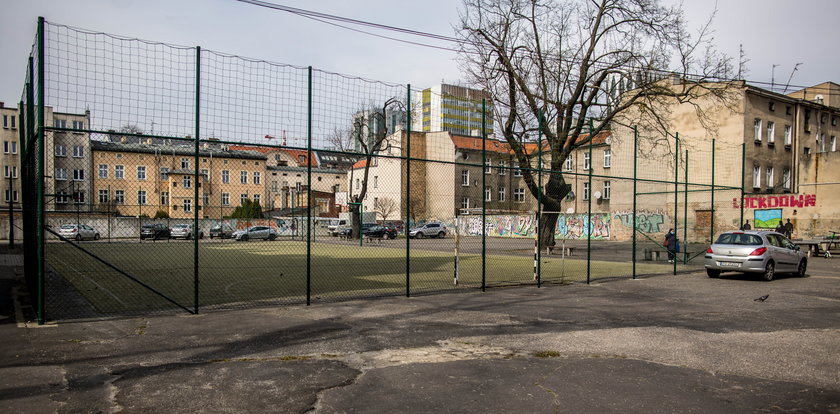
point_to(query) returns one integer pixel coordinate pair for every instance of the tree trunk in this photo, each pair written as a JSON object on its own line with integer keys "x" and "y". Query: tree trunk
{"x": 548, "y": 223}
{"x": 356, "y": 220}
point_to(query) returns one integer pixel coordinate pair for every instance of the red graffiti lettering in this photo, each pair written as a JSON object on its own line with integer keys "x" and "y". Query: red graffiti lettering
{"x": 762, "y": 203}
{"x": 735, "y": 203}
{"x": 810, "y": 200}
{"x": 784, "y": 201}
{"x": 772, "y": 201}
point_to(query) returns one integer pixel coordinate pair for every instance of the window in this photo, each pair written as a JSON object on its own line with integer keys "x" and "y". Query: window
{"x": 756, "y": 176}
{"x": 78, "y": 125}
{"x": 7, "y": 172}
{"x": 79, "y": 197}
{"x": 788, "y": 136}
{"x": 832, "y": 143}
{"x": 225, "y": 199}
{"x": 103, "y": 170}
{"x": 187, "y": 205}
{"x": 488, "y": 166}
{"x": 771, "y": 132}
{"x": 502, "y": 168}
{"x": 141, "y": 197}
{"x": 821, "y": 142}
{"x": 358, "y": 184}
{"x": 164, "y": 173}
{"x": 256, "y": 177}
{"x": 586, "y": 191}
{"x": 206, "y": 174}
{"x": 488, "y": 194}
{"x": 14, "y": 145}
{"x": 786, "y": 179}
{"x": 60, "y": 151}
{"x": 60, "y": 173}
{"x": 78, "y": 151}
{"x": 164, "y": 198}
{"x": 256, "y": 198}
{"x": 205, "y": 199}
{"x": 6, "y": 125}
{"x": 6, "y": 145}
{"x": 567, "y": 165}
{"x": 119, "y": 196}
{"x": 187, "y": 181}
{"x": 274, "y": 186}
{"x": 501, "y": 194}
{"x": 607, "y": 190}
{"x": 225, "y": 176}
{"x": 302, "y": 159}
{"x": 772, "y": 106}
{"x": 185, "y": 163}
{"x": 78, "y": 175}
{"x": 769, "y": 172}
{"x": 375, "y": 181}
{"x": 465, "y": 178}
{"x": 60, "y": 123}
{"x": 519, "y": 195}
{"x": 119, "y": 172}
{"x": 607, "y": 158}
{"x": 141, "y": 172}
{"x": 586, "y": 164}
{"x": 242, "y": 198}
{"x": 62, "y": 197}
{"x": 243, "y": 177}
{"x": 517, "y": 172}
{"x": 14, "y": 172}
{"x": 465, "y": 202}
{"x": 757, "y": 130}
{"x": 103, "y": 196}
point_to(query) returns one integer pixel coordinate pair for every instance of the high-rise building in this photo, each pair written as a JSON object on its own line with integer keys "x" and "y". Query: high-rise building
{"x": 455, "y": 109}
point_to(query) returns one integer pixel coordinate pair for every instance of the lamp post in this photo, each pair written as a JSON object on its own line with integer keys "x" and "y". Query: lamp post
{"x": 11, "y": 215}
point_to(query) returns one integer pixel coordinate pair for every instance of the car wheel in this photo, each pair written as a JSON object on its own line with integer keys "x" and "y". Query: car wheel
{"x": 189, "y": 236}
{"x": 769, "y": 271}
{"x": 96, "y": 236}
{"x": 200, "y": 235}
{"x": 802, "y": 267}
{"x": 78, "y": 237}
{"x": 244, "y": 237}
{"x": 441, "y": 235}
{"x": 419, "y": 235}
{"x": 392, "y": 236}
{"x": 714, "y": 274}
{"x": 271, "y": 237}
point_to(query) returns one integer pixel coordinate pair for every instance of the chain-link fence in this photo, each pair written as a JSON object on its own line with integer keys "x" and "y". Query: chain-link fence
{"x": 161, "y": 178}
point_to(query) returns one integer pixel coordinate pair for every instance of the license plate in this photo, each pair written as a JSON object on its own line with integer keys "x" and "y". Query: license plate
{"x": 729, "y": 264}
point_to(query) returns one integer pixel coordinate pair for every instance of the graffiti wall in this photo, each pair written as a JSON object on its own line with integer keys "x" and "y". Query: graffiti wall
{"x": 647, "y": 221}
{"x": 800, "y": 200}
{"x": 569, "y": 226}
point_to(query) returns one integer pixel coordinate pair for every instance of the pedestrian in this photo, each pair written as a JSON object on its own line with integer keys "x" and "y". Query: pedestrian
{"x": 788, "y": 229}
{"x": 671, "y": 244}
{"x": 780, "y": 228}
{"x": 746, "y": 226}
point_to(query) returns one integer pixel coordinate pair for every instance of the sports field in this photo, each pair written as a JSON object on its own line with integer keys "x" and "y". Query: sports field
{"x": 233, "y": 273}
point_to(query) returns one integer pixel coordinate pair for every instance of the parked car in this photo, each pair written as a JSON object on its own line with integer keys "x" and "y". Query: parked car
{"x": 428, "y": 230}
{"x": 380, "y": 232}
{"x": 155, "y": 231}
{"x": 348, "y": 231}
{"x": 255, "y": 232}
{"x": 336, "y": 226}
{"x": 760, "y": 252}
{"x": 223, "y": 231}
{"x": 185, "y": 231}
{"x": 78, "y": 232}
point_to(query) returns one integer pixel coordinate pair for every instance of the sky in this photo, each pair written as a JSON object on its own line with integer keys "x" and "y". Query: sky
{"x": 772, "y": 32}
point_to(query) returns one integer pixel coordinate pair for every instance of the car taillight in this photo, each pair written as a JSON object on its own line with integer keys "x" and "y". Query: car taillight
{"x": 759, "y": 251}
{"x": 709, "y": 250}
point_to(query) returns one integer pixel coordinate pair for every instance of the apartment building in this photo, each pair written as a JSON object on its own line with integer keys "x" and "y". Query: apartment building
{"x": 10, "y": 135}
{"x": 67, "y": 161}
{"x": 142, "y": 179}
{"x": 455, "y": 109}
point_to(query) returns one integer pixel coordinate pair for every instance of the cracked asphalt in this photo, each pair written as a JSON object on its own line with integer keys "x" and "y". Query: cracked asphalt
{"x": 670, "y": 344}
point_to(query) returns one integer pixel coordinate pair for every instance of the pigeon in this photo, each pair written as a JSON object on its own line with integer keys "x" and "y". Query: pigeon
{"x": 762, "y": 299}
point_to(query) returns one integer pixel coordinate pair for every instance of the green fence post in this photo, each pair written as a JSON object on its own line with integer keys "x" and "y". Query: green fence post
{"x": 635, "y": 177}
{"x": 685, "y": 213}
{"x": 408, "y": 191}
{"x": 712, "y": 224}
{"x": 743, "y": 172}
{"x": 309, "y": 192}
{"x": 196, "y": 230}
{"x": 483, "y": 197}
{"x": 589, "y": 208}
{"x": 676, "y": 191}
{"x": 39, "y": 217}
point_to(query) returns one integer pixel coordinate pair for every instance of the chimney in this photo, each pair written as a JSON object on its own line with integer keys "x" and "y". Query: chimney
{"x": 2, "y": 105}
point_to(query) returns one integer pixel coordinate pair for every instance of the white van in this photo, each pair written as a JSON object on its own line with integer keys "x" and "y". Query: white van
{"x": 336, "y": 225}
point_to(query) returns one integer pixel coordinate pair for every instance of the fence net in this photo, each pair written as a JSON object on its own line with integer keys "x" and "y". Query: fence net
{"x": 178, "y": 178}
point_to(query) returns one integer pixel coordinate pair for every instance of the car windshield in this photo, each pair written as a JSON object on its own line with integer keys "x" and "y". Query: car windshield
{"x": 148, "y": 226}
{"x": 182, "y": 226}
{"x": 68, "y": 226}
{"x": 739, "y": 239}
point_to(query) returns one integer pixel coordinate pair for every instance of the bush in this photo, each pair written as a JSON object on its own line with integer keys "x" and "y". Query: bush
{"x": 161, "y": 215}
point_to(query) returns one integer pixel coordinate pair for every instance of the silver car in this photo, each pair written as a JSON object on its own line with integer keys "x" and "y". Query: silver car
{"x": 428, "y": 230}
{"x": 256, "y": 232}
{"x": 185, "y": 231}
{"x": 762, "y": 252}
{"x": 78, "y": 232}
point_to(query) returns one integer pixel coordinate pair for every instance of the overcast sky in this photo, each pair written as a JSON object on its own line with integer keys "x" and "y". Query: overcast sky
{"x": 771, "y": 31}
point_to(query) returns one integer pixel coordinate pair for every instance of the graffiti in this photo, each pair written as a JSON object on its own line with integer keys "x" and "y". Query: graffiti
{"x": 646, "y": 221}
{"x": 574, "y": 226}
{"x": 767, "y": 219}
{"x": 569, "y": 226}
{"x": 802, "y": 200}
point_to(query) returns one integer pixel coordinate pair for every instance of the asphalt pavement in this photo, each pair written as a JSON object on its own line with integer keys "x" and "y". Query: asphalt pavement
{"x": 670, "y": 344}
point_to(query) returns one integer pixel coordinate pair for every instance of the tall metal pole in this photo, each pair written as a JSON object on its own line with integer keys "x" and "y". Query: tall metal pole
{"x": 539, "y": 199}
{"x": 39, "y": 215}
{"x": 483, "y": 197}
{"x": 743, "y": 173}
{"x": 685, "y": 213}
{"x": 195, "y": 172}
{"x": 589, "y": 225}
{"x": 408, "y": 191}
{"x": 712, "y": 224}
{"x": 309, "y": 183}
{"x": 676, "y": 193}
{"x": 635, "y": 177}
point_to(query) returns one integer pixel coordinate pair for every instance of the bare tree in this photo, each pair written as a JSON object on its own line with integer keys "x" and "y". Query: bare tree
{"x": 341, "y": 139}
{"x": 553, "y": 65}
{"x": 385, "y": 207}
{"x": 370, "y": 133}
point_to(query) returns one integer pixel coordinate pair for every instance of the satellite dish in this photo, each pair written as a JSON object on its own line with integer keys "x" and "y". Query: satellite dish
{"x": 608, "y": 140}
{"x": 570, "y": 196}
{"x": 570, "y": 210}
{"x": 597, "y": 195}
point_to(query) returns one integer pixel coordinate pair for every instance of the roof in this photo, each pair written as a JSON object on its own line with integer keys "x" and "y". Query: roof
{"x": 493, "y": 145}
{"x": 295, "y": 153}
{"x": 174, "y": 150}
{"x": 360, "y": 164}
{"x": 305, "y": 169}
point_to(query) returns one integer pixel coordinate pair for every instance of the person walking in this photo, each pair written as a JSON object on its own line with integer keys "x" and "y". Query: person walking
{"x": 671, "y": 244}
{"x": 788, "y": 229}
{"x": 746, "y": 225}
